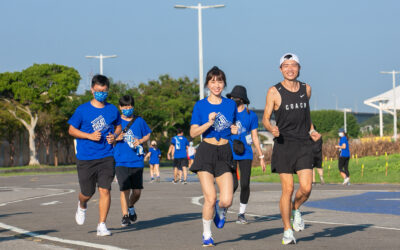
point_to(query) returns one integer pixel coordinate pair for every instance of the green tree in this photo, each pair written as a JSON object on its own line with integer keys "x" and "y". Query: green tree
{"x": 36, "y": 89}
{"x": 167, "y": 103}
{"x": 328, "y": 122}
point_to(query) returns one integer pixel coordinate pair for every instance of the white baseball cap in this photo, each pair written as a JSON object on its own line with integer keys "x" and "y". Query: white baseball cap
{"x": 289, "y": 56}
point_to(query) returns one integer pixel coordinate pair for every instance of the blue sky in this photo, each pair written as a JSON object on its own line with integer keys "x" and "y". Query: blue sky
{"x": 342, "y": 45}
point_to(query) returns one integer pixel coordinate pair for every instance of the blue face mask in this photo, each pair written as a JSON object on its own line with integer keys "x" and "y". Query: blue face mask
{"x": 127, "y": 112}
{"x": 100, "y": 96}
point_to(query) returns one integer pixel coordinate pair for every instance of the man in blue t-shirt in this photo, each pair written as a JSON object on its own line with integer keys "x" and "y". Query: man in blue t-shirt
{"x": 129, "y": 158}
{"x": 93, "y": 124}
{"x": 178, "y": 151}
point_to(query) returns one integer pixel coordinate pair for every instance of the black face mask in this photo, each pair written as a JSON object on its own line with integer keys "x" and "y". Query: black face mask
{"x": 238, "y": 101}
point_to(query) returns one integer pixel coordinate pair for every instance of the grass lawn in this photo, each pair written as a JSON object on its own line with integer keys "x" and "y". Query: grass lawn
{"x": 374, "y": 171}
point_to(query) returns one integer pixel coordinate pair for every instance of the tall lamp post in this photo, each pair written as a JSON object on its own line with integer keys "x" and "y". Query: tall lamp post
{"x": 101, "y": 57}
{"x": 199, "y": 8}
{"x": 393, "y": 73}
{"x": 345, "y": 118}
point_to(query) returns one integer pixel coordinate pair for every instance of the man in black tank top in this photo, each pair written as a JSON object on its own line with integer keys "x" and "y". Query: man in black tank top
{"x": 293, "y": 132}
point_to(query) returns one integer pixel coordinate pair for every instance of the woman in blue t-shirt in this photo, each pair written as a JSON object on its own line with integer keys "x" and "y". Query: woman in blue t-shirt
{"x": 247, "y": 123}
{"x": 213, "y": 118}
{"x": 344, "y": 157}
{"x": 154, "y": 154}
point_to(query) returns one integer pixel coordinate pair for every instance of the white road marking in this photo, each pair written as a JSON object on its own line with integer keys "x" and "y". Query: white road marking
{"x": 56, "y": 239}
{"x": 50, "y": 203}
{"x": 196, "y": 201}
{"x": 66, "y": 191}
{"x": 389, "y": 199}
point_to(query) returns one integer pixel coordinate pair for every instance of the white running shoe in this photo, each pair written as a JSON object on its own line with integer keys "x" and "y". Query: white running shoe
{"x": 346, "y": 180}
{"x": 288, "y": 237}
{"x": 298, "y": 222}
{"x": 102, "y": 230}
{"x": 80, "y": 215}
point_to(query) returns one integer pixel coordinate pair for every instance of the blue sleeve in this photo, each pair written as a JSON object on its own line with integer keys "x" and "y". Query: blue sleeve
{"x": 76, "y": 119}
{"x": 118, "y": 121}
{"x": 253, "y": 121}
{"x": 145, "y": 128}
{"x": 173, "y": 141}
{"x": 196, "y": 115}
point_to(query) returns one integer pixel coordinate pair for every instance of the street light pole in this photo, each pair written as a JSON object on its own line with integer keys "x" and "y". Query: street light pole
{"x": 199, "y": 8}
{"x": 345, "y": 119}
{"x": 101, "y": 57}
{"x": 393, "y": 73}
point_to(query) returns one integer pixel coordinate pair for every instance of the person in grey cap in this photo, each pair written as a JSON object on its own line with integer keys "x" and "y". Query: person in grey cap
{"x": 247, "y": 123}
{"x": 292, "y": 152}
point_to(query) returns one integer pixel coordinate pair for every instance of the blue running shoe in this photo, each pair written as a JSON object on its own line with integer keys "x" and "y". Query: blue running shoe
{"x": 219, "y": 218}
{"x": 208, "y": 242}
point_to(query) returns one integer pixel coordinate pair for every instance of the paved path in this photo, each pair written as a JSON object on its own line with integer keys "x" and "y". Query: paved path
{"x": 37, "y": 212}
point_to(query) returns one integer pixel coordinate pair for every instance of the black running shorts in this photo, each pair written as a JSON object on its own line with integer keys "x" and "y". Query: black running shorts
{"x": 92, "y": 172}
{"x": 214, "y": 159}
{"x": 129, "y": 178}
{"x": 181, "y": 162}
{"x": 317, "y": 162}
{"x": 289, "y": 156}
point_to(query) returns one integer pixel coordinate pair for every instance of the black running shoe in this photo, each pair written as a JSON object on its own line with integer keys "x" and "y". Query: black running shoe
{"x": 133, "y": 217}
{"x": 125, "y": 221}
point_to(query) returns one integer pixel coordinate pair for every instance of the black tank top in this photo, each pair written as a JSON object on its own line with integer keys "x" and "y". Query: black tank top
{"x": 293, "y": 116}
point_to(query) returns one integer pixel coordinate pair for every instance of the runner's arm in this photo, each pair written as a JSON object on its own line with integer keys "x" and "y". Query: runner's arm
{"x": 269, "y": 106}
{"x": 256, "y": 141}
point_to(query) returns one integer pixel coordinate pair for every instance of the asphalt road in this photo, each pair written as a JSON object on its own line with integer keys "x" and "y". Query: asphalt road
{"x": 37, "y": 212}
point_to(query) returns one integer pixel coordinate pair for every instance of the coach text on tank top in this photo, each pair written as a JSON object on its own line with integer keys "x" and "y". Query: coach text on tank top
{"x": 293, "y": 115}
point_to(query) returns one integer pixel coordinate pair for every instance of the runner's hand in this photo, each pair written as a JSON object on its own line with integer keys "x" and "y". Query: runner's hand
{"x": 315, "y": 136}
{"x": 110, "y": 138}
{"x": 95, "y": 136}
{"x": 120, "y": 137}
{"x": 136, "y": 142}
{"x": 275, "y": 131}
{"x": 262, "y": 162}
{"x": 234, "y": 129}
{"x": 211, "y": 117}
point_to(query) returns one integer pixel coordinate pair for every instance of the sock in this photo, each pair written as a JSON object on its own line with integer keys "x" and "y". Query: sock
{"x": 207, "y": 229}
{"x": 131, "y": 210}
{"x": 222, "y": 210}
{"x": 242, "y": 208}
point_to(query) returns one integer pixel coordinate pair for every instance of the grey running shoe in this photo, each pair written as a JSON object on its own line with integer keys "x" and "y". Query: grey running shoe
{"x": 288, "y": 237}
{"x": 184, "y": 182}
{"x": 298, "y": 222}
{"x": 125, "y": 221}
{"x": 158, "y": 179}
{"x": 241, "y": 219}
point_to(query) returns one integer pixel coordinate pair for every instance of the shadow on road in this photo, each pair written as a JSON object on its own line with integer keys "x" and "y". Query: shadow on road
{"x": 256, "y": 235}
{"x": 24, "y": 236}
{"x": 336, "y": 232}
{"x": 158, "y": 222}
{"x": 8, "y": 215}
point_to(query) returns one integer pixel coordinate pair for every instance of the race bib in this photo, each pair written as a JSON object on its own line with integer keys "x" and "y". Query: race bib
{"x": 249, "y": 140}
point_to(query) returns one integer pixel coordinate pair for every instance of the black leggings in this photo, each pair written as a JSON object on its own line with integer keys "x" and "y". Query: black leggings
{"x": 344, "y": 165}
{"x": 245, "y": 172}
